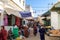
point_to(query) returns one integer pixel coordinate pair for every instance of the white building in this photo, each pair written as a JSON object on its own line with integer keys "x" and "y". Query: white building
{"x": 29, "y": 9}
{"x": 55, "y": 16}
{"x": 14, "y": 4}
{"x": 1, "y": 13}
{"x": 11, "y": 7}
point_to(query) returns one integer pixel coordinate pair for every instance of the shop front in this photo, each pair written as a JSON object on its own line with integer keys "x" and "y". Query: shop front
{"x": 11, "y": 17}
{"x": 26, "y": 17}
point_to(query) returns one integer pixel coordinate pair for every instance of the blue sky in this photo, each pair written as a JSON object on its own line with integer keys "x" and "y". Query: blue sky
{"x": 40, "y": 6}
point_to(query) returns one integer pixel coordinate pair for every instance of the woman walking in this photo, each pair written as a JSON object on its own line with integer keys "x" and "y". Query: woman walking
{"x": 35, "y": 30}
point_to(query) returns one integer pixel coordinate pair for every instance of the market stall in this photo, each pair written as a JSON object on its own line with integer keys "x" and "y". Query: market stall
{"x": 54, "y": 34}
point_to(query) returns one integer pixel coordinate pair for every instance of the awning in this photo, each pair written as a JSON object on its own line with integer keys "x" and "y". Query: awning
{"x": 21, "y": 14}
{"x": 11, "y": 11}
{"x": 25, "y": 14}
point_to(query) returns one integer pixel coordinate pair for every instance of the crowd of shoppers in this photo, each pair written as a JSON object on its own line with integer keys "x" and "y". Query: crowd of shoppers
{"x": 24, "y": 31}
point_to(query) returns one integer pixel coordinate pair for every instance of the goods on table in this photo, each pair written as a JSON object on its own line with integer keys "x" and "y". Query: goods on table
{"x": 54, "y": 31}
{"x": 48, "y": 26}
{"x": 59, "y": 33}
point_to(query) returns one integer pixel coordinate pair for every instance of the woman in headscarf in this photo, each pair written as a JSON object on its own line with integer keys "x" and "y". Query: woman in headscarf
{"x": 4, "y": 33}
{"x": 26, "y": 32}
{"x": 10, "y": 34}
{"x": 35, "y": 30}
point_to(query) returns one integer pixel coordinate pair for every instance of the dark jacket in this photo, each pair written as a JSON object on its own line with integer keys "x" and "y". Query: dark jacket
{"x": 42, "y": 30}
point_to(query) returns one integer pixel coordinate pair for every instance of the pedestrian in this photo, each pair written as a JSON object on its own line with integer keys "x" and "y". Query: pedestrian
{"x": 26, "y": 33}
{"x": 35, "y": 30}
{"x": 22, "y": 31}
{"x": 4, "y": 33}
{"x": 42, "y": 32}
{"x": 38, "y": 25}
{"x": 10, "y": 34}
{"x": 31, "y": 31}
{"x": 0, "y": 35}
{"x": 15, "y": 31}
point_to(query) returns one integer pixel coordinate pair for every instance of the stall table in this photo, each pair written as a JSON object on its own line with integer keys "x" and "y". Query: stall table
{"x": 54, "y": 36}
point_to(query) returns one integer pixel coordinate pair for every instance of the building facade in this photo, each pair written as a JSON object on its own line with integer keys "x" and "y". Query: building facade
{"x": 11, "y": 7}
{"x": 29, "y": 9}
{"x": 14, "y": 4}
{"x": 55, "y": 16}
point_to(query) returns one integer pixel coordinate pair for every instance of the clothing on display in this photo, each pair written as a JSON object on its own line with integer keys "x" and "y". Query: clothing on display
{"x": 5, "y": 20}
{"x": 17, "y": 21}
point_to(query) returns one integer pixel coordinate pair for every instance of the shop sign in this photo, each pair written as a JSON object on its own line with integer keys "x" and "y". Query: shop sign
{"x": 25, "y": 14}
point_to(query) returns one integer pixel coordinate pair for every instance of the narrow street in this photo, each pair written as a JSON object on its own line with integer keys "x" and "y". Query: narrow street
{"x": 23, "y": 18}
{"x": 38, "y": 38}
{"x": 34, "y": 37}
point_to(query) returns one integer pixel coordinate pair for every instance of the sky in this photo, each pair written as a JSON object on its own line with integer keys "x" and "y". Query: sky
{"x": 40, "y": 6}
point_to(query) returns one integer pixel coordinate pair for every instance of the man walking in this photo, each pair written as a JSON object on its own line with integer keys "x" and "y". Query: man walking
{"x": 42, "y": 32}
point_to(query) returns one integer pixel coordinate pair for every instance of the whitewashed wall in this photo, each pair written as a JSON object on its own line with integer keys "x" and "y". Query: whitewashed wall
{"x": 59, "y": 21}
{"x": 1, "y": 12}
{"x": 20, "y": 3}
{"x": 54, "y": 20}
{"x": 31, "y": 10}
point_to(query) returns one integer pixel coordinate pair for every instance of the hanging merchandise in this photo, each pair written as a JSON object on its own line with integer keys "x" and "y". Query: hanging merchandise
{"x": 9, "y": 20}
{"x": 20, "y": 23}
{"x": 13, "y": 19}
{"x": 5, "y": 20}
{"x": 17, "y": 21}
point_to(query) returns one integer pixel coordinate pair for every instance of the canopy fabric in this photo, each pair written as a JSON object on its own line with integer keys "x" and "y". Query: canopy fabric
{"x": 25, "y": 14}
{"x": 21, "y": 14}
{"x": 11, "y": 11}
